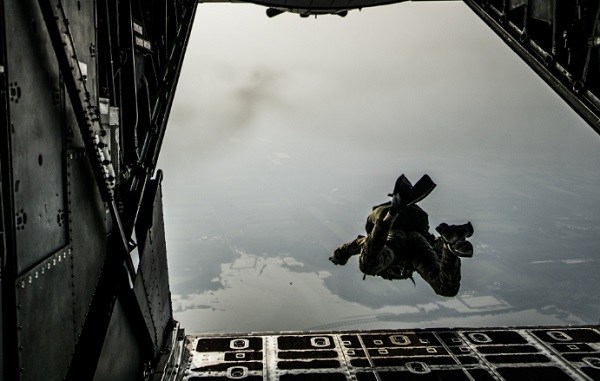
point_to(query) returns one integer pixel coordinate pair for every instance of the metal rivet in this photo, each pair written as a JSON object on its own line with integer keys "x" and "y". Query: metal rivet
{"x": 59, "y": 258}
{"x": 54, "y": 262}
{"x": 30, "y": 280}
{"x": 36, "y": 275}
{"x": 49, "y": 266}
{"x": 22, "y": 284}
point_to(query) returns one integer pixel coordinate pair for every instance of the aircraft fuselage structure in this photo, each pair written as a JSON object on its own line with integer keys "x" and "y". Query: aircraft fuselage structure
{"x": 86, "y": 92}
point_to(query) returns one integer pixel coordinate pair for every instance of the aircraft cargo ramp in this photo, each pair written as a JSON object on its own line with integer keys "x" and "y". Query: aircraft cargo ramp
{"x": 532, "y": 353}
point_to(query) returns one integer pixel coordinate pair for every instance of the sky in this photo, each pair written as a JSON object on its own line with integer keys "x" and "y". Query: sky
{"x": 285, "y": 131}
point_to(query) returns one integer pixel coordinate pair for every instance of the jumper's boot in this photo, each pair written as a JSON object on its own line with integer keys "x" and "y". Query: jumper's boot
{"x": 454, "y": 236}
{"x": 343, "y": 253}
{"x": 462, "y": 249}
{"x": 403, "y": 186}
{"x": 411, "y": 194}
{"x": 454, "y": 233}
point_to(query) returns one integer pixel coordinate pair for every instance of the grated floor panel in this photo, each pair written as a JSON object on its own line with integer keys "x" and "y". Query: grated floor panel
{"x": 532, "y": 353}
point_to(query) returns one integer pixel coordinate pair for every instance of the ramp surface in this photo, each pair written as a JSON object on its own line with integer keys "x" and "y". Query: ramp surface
{"x": 561, "y": 353}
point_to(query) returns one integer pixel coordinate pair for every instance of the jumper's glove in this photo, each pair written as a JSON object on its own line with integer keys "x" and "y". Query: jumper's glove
{"x": 338, "y": 259}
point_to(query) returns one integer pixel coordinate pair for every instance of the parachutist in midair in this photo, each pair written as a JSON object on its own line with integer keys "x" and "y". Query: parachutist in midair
{"x": 398, "y": 241}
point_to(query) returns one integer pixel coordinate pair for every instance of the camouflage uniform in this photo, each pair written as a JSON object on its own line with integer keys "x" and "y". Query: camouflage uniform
{"x": 395, "y": 249}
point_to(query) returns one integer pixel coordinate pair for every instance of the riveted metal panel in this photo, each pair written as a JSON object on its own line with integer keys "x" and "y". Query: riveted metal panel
{"x": 81, "y": 17}
{"x": 154, "y": 262}
{"x": 159, "y": 295}
{"x": 120, "y": 357}
{"x": 45, "y": 332}
{"x": 142, "y": 299}
{"x": 37, "y": 138}
{"x": 87, "y": 215}
{"x": 84, "y": 38}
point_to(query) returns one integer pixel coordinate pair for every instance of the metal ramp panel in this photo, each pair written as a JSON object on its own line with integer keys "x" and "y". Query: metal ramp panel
{"x": 527, "y": 353}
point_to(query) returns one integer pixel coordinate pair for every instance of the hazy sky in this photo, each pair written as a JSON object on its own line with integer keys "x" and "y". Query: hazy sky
{"x": 285, "y": 131}
{"x": 446, "y": 70}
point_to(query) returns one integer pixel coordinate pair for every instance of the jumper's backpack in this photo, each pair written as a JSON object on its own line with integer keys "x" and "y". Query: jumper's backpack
{"x": 411, "y": 218}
